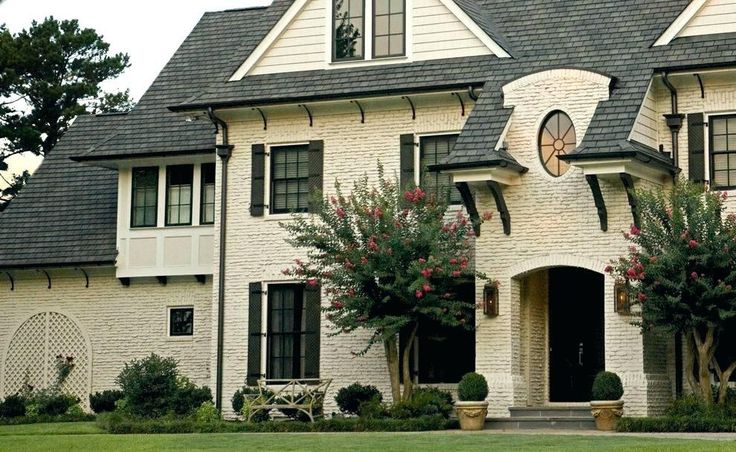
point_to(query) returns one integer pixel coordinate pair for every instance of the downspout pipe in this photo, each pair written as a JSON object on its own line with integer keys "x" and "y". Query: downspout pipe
{"x": 223, "y": 150}
{"x": 674, "y": 119}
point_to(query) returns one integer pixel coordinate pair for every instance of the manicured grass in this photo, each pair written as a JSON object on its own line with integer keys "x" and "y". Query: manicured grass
{"x": 86, "y": 436}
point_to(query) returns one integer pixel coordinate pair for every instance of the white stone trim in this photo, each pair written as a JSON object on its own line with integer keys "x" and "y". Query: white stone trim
{"x": 680, "y": 23}
{"x": 556, "y": 260}
{"x": 570, "y": 73}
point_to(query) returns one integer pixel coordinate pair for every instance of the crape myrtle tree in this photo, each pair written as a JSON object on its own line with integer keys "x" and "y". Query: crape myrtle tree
{"x": 681, "y": 273}
{"x": 49, "y": 74}
{"x": 388, "y": 260}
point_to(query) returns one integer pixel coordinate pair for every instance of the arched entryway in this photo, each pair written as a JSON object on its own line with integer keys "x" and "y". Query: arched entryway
{"x": 562, "y": 333}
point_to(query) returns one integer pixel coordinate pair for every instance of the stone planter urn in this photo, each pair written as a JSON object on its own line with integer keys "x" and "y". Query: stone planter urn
{"x": 472, "y": 415}
{"x": 471, "y": 406}
{"x": 607, "y": 413}
{"x": 607, "y": 406}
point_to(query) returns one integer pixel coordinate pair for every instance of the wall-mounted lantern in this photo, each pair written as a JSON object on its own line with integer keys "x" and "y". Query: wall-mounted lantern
{"x": 490, "y": 300}
{"x": 621, "y": 298}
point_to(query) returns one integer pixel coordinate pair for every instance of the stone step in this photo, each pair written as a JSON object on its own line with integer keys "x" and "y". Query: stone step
{"x": 541, "y": 423}
{"x": 550, "y": 411}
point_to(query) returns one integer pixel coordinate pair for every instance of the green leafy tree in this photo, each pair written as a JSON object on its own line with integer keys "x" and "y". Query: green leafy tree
{"x": 388, "y": 261}
{"x": 49, "y": 74}
{"x": 681, "y": 272}
{"x": 346, "y": 33}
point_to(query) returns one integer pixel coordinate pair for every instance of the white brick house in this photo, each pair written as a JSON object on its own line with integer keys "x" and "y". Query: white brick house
{"x": 149, "y": 233}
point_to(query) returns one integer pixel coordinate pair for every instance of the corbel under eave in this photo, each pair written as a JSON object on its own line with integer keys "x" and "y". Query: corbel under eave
{"x": 600, "y": 203}
{"x": 628, "y": 182}
{"x": 503, "y": 211}
{"x": 469, "y": 202}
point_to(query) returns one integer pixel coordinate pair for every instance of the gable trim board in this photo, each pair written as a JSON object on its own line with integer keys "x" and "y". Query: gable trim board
{"x": 701, "y": 17}
{"x": 294, "y": 13}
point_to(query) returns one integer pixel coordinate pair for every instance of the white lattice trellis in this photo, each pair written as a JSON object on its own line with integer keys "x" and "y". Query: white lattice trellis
{"x": 31, "y": 355}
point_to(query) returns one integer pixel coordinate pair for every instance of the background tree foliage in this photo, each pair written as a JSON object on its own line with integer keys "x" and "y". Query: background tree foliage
{"x": 681, "y": 270}
{"x": 49, "y": 74}
{"x": 388, "y": 261}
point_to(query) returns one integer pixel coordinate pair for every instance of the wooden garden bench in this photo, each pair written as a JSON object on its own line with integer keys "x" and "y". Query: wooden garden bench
{"x": 305, "y": 395}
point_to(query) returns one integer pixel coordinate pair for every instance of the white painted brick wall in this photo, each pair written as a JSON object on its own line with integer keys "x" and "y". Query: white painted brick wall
{"x": 121, "y": 323}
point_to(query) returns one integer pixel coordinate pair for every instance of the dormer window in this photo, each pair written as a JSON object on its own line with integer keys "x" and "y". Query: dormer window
{"x": 386, "y": 27}
{"x": 348, "y": 30}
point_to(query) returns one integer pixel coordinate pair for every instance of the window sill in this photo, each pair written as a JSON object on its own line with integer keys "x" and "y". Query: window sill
{"x": 285, "y": 216}
{"x": 357, "y": 62}
{"x": 180, "y": 338}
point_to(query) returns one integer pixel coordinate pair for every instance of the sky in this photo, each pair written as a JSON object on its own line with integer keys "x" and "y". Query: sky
{"x": 149, "y": 31}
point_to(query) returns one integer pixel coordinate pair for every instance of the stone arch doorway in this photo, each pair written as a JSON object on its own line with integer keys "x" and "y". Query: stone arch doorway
{"x": 562, "y": 333}
{"x": 31, "y": 355}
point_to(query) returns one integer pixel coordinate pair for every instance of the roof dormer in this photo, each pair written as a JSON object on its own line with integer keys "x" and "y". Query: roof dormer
{"x": 335, "y": 34}
{"x": 702, "y": 17}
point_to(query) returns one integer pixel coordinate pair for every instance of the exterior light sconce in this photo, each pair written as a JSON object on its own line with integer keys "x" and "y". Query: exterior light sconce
{"x": 490, "y": 300}
{"x": 621, "y": 298}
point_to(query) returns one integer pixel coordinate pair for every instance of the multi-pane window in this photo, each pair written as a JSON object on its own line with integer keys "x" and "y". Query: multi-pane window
{"x": 723, "y": 151}
{"x": 286, "y": 332}
{"x": 388, "y": 28}
{"x": 289, "y": 179}
{"x": 207, "y": 196}
{"x": 145, "y": 197}
{"x": 181, "y": 321}
{"x": 179, "y": 194}
{"x": 348, "y": 29}
{"x": 432, "y": 150}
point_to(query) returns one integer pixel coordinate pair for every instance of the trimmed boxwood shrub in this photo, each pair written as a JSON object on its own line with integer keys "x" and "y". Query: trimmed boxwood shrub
{"x": 607, "y": 386}
{"x": 48, "y": 402}
{"x": 676, "y": 424}
{"x": 251, "y": 393}
{"x": 68, "y": 417}
{"x": 473, "y": 387}
{"x": 13, "y": 406}
{"x": 102, "y": 402}
{"x": 350, "y": 398}
{"x": 152, "y": 387}
{"x": 117, "y": 423}
{"x": 424, "y": 402}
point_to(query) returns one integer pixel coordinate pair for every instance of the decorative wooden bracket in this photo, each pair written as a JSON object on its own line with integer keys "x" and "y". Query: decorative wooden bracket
{"x": 469, "y": 203}
{"x": 628, "y": 182}
{"x": 201, "y": 278}
{"x": 125, "y": 282}
{"x": 503, "y": 211}
{"x": 162, "y": 280}
{"x": 12, "y": 281}
{"x": 600, "y": 204}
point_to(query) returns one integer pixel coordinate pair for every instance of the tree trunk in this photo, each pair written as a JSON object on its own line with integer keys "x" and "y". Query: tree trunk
{"x": 408, "y": 347}
{"x": 705, "y": 350}
{"x": 392, "y": 360}
{"x": 723, "y": 378}
{"x": 689, "y": 365}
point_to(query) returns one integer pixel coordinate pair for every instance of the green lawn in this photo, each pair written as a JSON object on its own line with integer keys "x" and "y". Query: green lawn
{"x": 85, "y": 436}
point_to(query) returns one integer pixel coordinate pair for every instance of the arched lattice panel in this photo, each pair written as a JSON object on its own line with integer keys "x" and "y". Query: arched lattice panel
{"x": 32, "y": 353}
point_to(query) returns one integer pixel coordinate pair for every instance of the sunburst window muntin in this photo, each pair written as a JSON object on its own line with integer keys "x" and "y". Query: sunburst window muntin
{"x": 556, "y": 137}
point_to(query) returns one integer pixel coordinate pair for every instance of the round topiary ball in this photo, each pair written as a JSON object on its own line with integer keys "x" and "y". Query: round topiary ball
{"x": 472, "y": 388}
{"x": 607, "y": 386}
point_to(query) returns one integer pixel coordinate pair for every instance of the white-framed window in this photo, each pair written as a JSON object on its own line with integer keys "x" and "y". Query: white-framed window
{"x": 172, "y": 195}
{"x": 180, "y": 321}
{"x": 368, "y": 29}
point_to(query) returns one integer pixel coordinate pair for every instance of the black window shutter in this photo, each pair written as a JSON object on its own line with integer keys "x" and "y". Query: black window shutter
{"x": 257, "y": 179}
{"x": 316, "y": 159}
{"x": 313, "y": 310}
{"x": 406, "y": 176}
{"x": 255, "y": 333}
{"x": 696, "y": 147}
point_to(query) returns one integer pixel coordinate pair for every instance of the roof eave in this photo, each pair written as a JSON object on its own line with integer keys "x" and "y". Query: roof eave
{"x": 479, "y": 164}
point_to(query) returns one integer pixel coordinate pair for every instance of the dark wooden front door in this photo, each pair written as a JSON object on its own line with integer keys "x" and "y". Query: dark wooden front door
{"x": 576, "y": 333}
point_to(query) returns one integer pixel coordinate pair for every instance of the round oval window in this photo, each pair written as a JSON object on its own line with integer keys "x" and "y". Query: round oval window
{"x": 556, "y": 138}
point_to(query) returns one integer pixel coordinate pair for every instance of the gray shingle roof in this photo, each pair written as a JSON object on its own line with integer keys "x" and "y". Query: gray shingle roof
{"x": 73, "y": 206}
{"x": 68, "y": 212}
